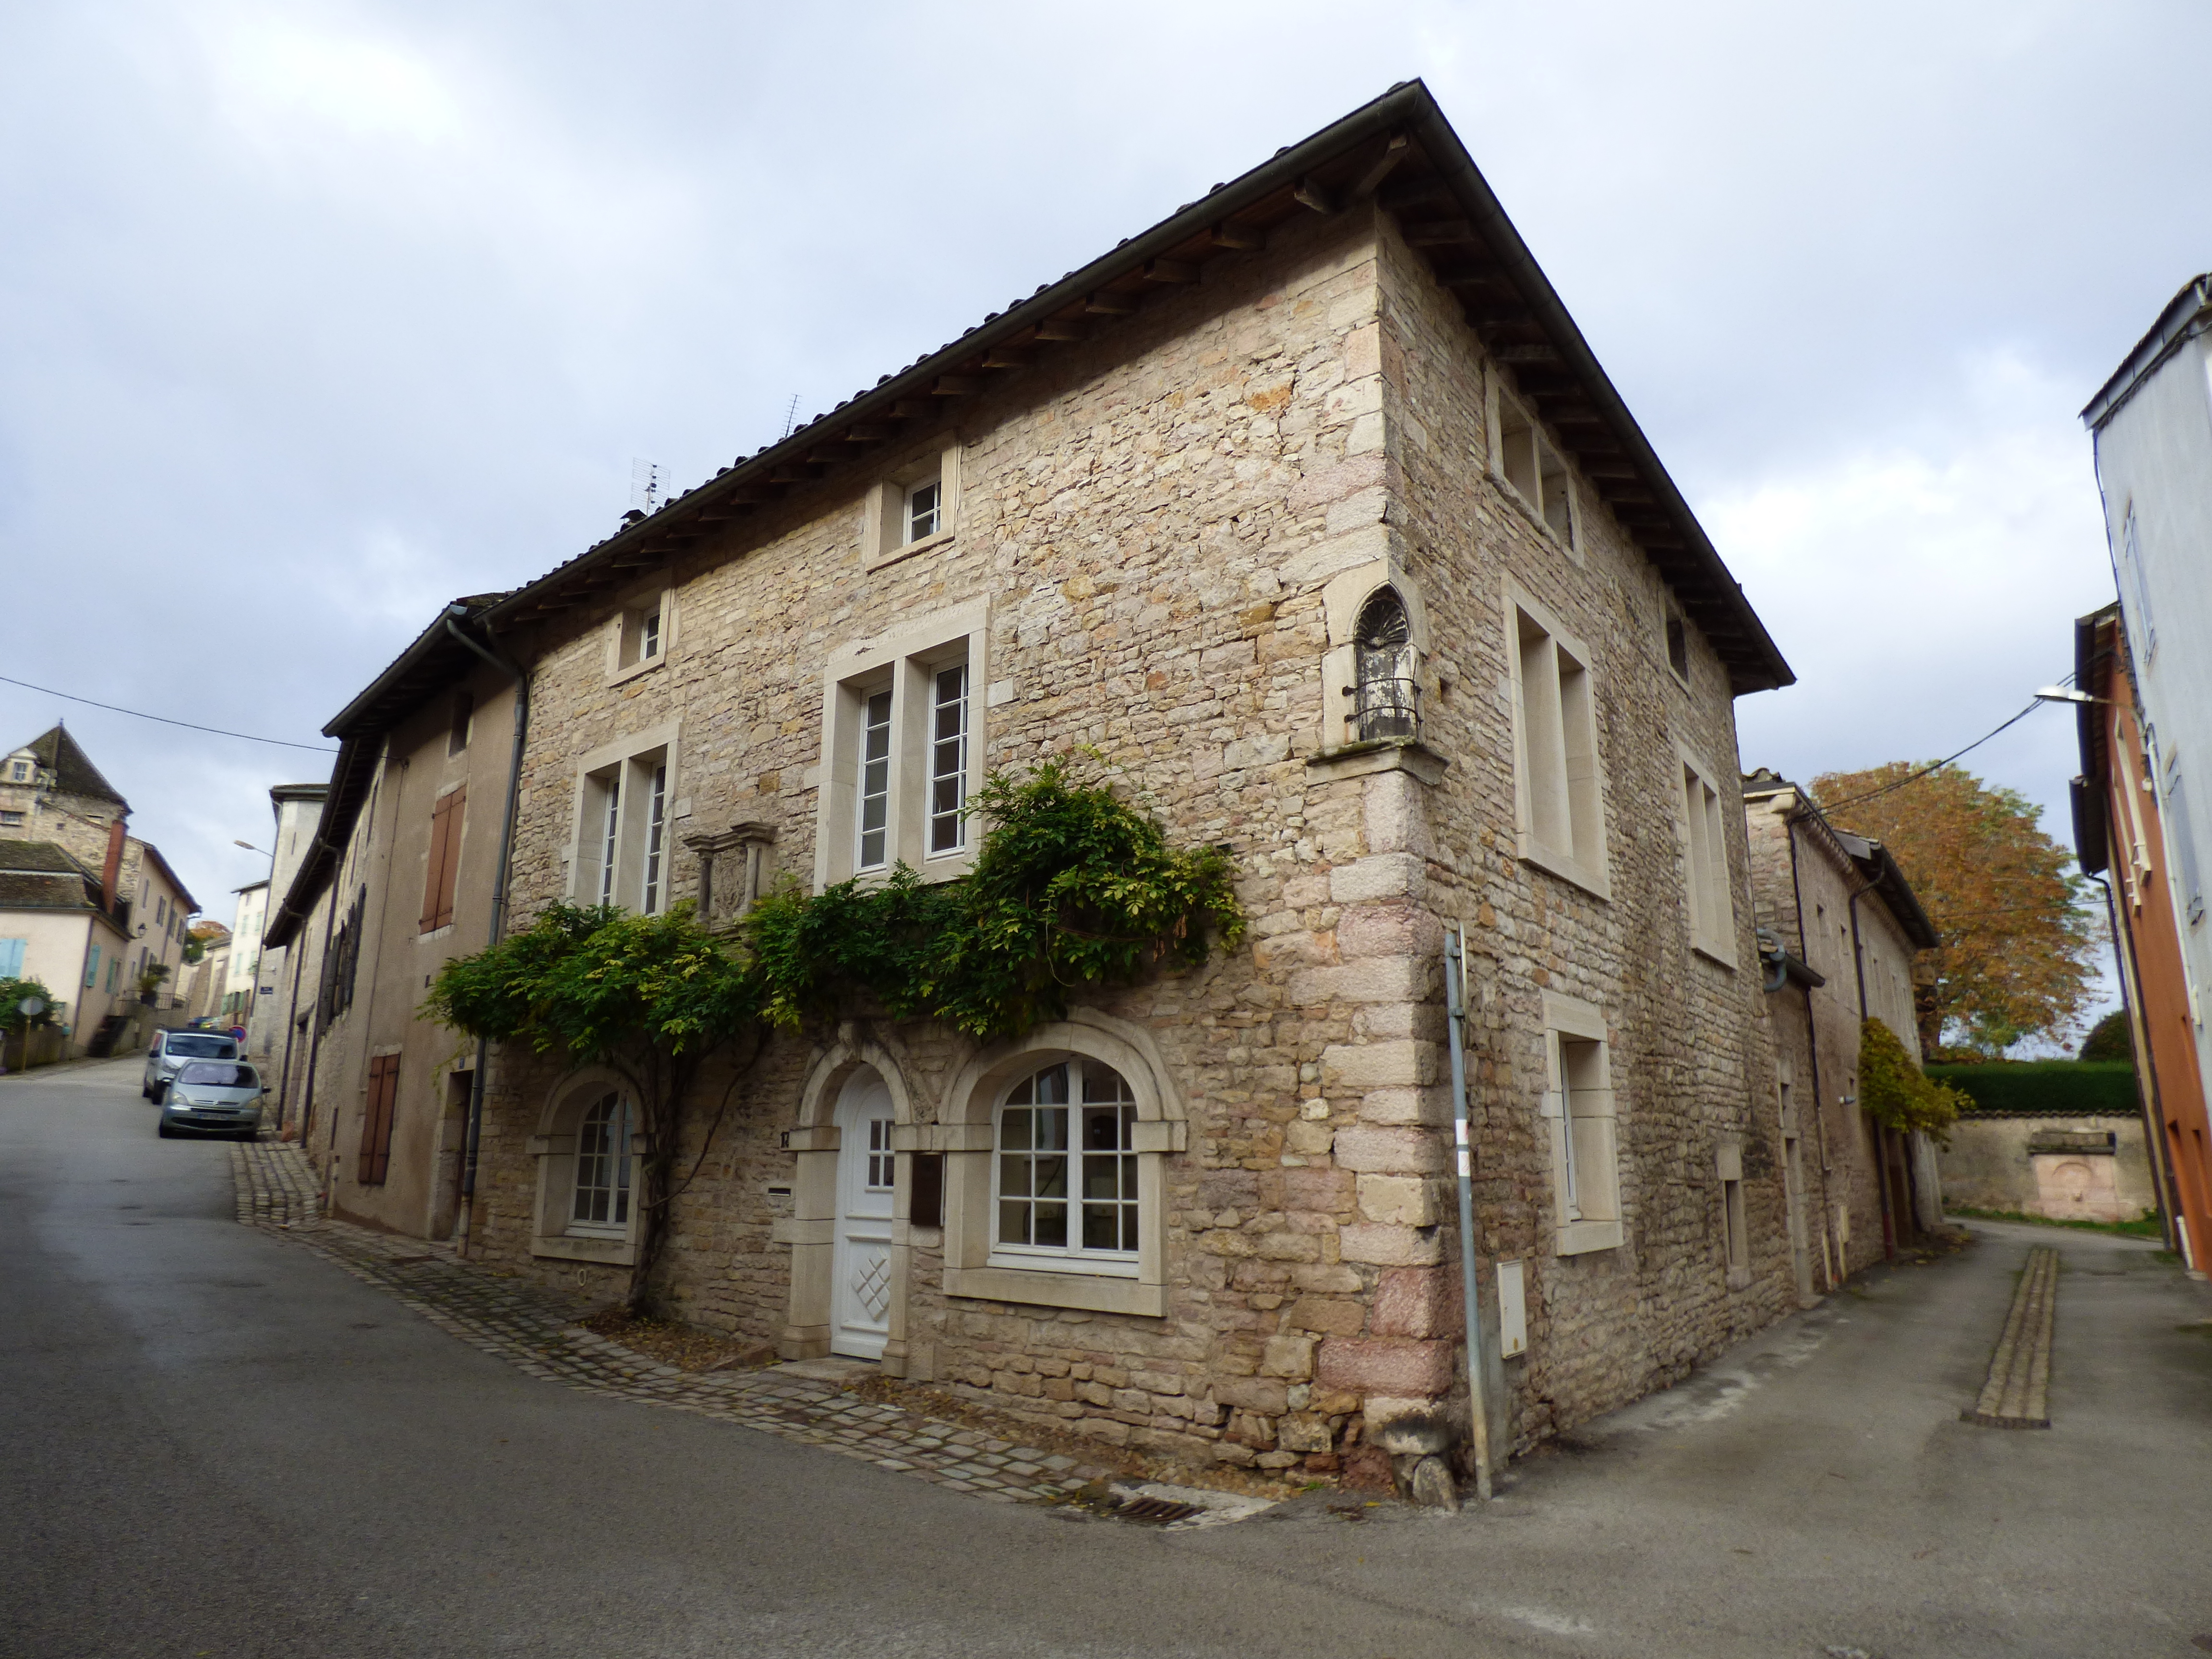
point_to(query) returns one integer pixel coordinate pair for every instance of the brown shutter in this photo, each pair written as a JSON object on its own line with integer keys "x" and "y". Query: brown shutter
{"x": 449, "y": 873}
{"x": 376, "y": 1121}
{"x": 434, "y": 870}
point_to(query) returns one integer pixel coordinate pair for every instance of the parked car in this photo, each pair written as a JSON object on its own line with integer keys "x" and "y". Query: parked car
{"x": 172, "y": 1050}
{"x": 220, "y": 1097}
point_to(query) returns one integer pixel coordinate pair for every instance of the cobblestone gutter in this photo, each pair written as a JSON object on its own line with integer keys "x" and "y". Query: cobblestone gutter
{"x": 534, "y": 1328}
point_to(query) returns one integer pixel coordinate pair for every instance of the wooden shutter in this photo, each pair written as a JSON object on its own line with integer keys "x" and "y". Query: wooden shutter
{"x": 442, "y": 871}
{"x": 376, "y": 1121}
{"x": 925, "y": 1199}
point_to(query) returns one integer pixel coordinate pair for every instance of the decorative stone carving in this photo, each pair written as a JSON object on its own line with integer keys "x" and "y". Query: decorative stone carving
{"x": 740, "y": 856}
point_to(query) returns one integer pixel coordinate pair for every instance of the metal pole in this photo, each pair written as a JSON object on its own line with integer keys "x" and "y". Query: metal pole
{"x": 1455, "y": 1020}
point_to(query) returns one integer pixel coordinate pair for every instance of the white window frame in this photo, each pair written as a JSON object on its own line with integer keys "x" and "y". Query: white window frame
{"x": 640, "y": 633}
{"x": 554, "y": 1232}
{"x": 1709, "y": 896}
{"x": 1532, "y": 471}
{"x": 625, "y": 770}
{"x": 1580, "y": 1119}
{"x": 620, "y": 1185}
{"x": 1072, "y": 1255}
{"x": 967, "y": 1134}
{"x": 907, "y": 665}
{"x": 1673, "y": 626}
{"x": 887, "y": 526}
{"x": 1559, "y": 771}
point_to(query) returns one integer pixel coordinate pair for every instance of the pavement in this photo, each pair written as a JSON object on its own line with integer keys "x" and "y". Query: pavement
{"x": 226, "y": 1440}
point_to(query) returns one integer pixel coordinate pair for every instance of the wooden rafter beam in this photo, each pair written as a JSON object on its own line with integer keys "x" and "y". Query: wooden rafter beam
{"x": 1441, "y": 233}
{"x": 955, "y": 386}
{"x": 1382, "y": 166}
{"x": 1056, "y": 330}
{"x": 1107, "y": 303}
{"x": 1170, "y": 270}
{"x": 1312, "y": 193}
{"x": 1237, "y": 237}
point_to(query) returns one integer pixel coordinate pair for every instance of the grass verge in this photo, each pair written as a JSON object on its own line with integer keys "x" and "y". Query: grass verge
{"x": 2145, "y": 1226}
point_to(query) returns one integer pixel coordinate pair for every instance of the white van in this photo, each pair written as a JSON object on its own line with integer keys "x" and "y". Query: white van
{"x": 173, "y": 1048}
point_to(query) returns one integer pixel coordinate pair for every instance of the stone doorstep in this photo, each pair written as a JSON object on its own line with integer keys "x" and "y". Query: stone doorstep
{"x": 808, "y": 1402}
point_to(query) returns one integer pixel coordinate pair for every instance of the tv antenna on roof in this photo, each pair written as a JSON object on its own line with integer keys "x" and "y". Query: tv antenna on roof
{"x": 790, "y": 417}
{"x": 646, "y": 492}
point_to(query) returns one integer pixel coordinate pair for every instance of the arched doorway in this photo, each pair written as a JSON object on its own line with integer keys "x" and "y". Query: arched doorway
{"x": 861, "y": 1271}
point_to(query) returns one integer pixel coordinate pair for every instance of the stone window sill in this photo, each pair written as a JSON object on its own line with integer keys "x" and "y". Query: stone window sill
{"x": 1089, "y": 1293}
{"x": 1565, "y": 867}
{"x": 585, "y": 1247}
{"x": 1716, "y": 952}
{"x": 622, "y": 676}
{"x": 1581, "y": 1237}
{"x": 892, "y": 556}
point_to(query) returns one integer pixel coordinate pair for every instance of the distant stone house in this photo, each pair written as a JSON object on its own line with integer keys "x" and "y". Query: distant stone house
{"x": 60, "y": 926}
{"x": 1310, "y": 511}
{"x": 1840, "y": 929}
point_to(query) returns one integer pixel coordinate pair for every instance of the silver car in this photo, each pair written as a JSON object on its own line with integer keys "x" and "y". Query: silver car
{"x": 216, "y": 1096}
{"x": 171, "y": 1049}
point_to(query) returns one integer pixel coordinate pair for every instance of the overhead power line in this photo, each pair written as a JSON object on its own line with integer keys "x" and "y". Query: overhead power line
{"x": 1914, "y": 777}
{"x": 138, "y": 713}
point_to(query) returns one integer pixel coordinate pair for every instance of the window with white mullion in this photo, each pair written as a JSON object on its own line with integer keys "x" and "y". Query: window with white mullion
{"x": 873, "y": 850}
{"x": 603, "y": 1168}
{"x": 655, "y": 829}
{"x": 922, "y": 510}
{"x": 948, "y": 759}
{"x": 1065, "y": 1184}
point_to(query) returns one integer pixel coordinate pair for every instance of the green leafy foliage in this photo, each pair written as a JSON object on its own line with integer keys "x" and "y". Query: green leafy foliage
{"x": 1071, "y": 887}
{"x": 13, "y": 993}
{"x": 1894, "y": 1092}
{"x": 2110, "y": 1038}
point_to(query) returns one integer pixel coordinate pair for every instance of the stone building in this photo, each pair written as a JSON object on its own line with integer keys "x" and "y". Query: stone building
{"x": 400, "y": 873}
{"x": 1839, "y": 929}
{"x": 296, "y": 809}
{"x": 50, "y": 791}
{"x": 1309, "y": 513}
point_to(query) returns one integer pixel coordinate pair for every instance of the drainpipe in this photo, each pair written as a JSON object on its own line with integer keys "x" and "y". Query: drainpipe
{"x": 1881, "y": 1135}
{"x": 474, "y": 1138}
{"x": 322, "y": 990}
{"x": 1813, "y": 1052}
{"x": 1456, "y": 1020}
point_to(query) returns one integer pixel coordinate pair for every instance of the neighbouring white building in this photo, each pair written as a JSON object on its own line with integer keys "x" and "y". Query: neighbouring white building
{"x": 245, "y": 959}
{"x": 2151, "y": 423}
{"x": 298, "y": 810}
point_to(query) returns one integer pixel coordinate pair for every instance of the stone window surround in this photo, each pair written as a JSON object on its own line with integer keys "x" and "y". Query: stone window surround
{"x": 623, "y": 664}
{"x": 907, "y": 659}
{"x": 1735, "y": 1237}
{"x": 1708, "y": 895}
{"x": 554, "y": 1148}
{"x": 1503, "y": 402}
{"x": 581, "y": 854}
{"x": 1597, "y": 1163}
{"x": 883, "y": 508}
{"x": 1586, "y": 863}
{"x": 964, "y": 1136}
{"x": 1343, "y": 597}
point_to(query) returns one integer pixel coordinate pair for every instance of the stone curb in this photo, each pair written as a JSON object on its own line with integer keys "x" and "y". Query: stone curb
{"x": 534, "y": 1328}
{"x": 2017, "y": 1395}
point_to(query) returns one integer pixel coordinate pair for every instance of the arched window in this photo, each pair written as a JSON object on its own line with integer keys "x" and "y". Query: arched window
{"x": 1065, "y": 1188}
{"x": 1384, "y": 693}
{"x": 602, "y": 1191}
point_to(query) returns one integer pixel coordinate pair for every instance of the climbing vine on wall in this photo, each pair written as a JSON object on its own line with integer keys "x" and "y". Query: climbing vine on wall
{"x": 1071, "y": 886}
{"x": 1897, "y": 1094}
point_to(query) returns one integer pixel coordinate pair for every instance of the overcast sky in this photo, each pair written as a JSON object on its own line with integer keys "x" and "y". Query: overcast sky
{"x": 314, "y": 316}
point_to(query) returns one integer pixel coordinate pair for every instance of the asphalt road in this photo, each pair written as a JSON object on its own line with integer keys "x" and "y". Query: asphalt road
{"x": 216, "y": 1444}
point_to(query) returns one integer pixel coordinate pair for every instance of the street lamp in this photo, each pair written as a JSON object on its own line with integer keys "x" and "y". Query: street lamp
{"x": 2067, "y": 694}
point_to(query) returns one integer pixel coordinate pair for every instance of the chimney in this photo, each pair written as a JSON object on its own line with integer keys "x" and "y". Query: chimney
{"x": 113, "y": 868}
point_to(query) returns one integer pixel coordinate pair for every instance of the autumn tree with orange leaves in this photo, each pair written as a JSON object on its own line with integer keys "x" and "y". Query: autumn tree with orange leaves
{"x": 2017, "y": 956}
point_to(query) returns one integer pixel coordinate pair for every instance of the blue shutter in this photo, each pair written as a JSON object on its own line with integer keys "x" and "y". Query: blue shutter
{"x": 11, "y": 957}
{"x": 91, "y": 968}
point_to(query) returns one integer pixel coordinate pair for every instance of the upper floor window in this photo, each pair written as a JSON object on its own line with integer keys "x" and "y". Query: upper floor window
{"x": 1534, "y": 470}
{"x": 464, "y": 724}
{"x": 1678, "y": 645}
{"x": 625, "y": 814}
{"x": 2131, "y": 563}
{"x": 1578, "y": 1106}
{"x": 900, "y": 755}
{"x": 642, "y": 633}
{"x": 1705, "y": 867}
{"x": 1384, "y": 692}
{"x": 1560, "y": 803}
{"x": 442, "y": 867}
{"x": 911, "y": 505}
{"x": 19, "y": 771}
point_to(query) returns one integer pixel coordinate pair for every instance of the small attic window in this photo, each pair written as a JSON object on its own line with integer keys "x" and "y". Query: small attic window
{"x": 1384, "y": 693}
{"x": 19, "y": 771}
{"x": 1678, "y": 646}
{"x": 1534, "y": 470}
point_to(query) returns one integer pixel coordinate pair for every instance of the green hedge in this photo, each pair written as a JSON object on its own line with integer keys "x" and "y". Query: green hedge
{"x": 2057, "y": 1086}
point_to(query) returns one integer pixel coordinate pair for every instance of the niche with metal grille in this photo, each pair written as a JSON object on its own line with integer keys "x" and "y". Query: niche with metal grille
{"x": 1385, "y": 696}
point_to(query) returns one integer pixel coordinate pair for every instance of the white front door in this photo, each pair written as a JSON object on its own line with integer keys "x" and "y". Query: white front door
{"x": 862, "y": 1260}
